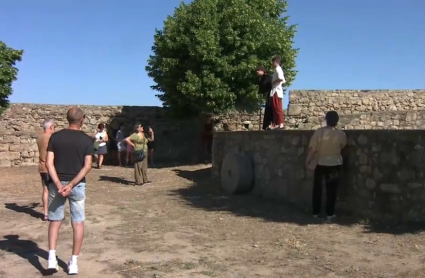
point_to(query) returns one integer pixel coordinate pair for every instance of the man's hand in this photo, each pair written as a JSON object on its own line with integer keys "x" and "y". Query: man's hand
{"x": 65, "y": 190}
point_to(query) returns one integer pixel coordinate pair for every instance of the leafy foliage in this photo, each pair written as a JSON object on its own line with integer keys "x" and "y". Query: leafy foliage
{"x": 205, "y": 55}
{"x": 8, "y": 72}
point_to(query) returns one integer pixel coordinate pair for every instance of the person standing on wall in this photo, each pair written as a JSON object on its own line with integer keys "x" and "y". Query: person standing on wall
{"x": 325, "y": 159}
{"x": 69, "y": 159}
{"x": 139, "y": 142}
{"x": 265, "y": 87}
{"x": 101, "y": 138}
{"x": 276, "y": 94}
{"x": 42, "y": 143}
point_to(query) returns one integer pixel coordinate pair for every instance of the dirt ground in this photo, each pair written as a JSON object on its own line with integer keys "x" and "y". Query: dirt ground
{"x": 183, "y": 226}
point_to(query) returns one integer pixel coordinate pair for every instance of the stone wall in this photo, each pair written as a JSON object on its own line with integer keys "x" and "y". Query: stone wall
{"x": 180, "y": 141}
{"x": 414, "y": 119}
{"x": 176, "y": 140}
{"x": 383, "y": 172}
{"x": 307, "y": 108}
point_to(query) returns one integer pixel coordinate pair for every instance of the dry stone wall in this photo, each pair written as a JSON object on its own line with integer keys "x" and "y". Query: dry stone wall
{"x": 176, "y": 140}
{"x": 181, "y": 140}
{"x": 414, "y": 119}
{"x": 358, "y": 109}
{"x": 383, "y": 170}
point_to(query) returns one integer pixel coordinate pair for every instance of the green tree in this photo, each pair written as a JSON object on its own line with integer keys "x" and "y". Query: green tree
{"x": 204, "y": 57}
{"x": 8, "y": 72}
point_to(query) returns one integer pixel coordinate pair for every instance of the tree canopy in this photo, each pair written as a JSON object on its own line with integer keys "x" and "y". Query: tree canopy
{"x": 204, "y": 58}
{"x": 8, "y": 72}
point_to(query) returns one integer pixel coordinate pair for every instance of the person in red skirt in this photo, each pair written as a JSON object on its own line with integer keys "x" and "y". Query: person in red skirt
{"x": 276, "y": 94}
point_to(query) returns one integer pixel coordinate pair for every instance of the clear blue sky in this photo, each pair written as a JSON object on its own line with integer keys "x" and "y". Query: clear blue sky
{"x": 95, "y": 52}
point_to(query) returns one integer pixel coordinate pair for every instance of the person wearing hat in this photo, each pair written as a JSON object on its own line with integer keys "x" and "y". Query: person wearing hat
{"x": 265, "y": 86}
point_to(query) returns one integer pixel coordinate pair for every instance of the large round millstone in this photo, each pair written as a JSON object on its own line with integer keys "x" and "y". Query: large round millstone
{"x": 237, "y": 174}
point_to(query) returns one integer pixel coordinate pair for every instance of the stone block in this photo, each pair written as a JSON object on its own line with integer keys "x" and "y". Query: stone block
{"x": 19, "y": 147}
{"x": 4, "y": 147}
{"x": 390, "y": 188}
{"x": 370, "y": 184}
{"x": 414, "y": 185}
{"x": 5, "y": 163}
{"x": 294, "y": 110}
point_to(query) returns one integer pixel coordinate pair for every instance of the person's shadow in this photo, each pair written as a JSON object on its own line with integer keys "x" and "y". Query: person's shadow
{"x": 27, "y": 209}
{"x": 29, "y": 250}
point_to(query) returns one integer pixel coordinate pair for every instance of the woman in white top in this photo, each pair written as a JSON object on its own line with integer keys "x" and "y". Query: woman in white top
{"x": 324, "y": 157}
{"x": 101, "y": 137}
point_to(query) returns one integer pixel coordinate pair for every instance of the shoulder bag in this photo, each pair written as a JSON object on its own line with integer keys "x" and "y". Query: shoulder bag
{"x": 139, "y": 155}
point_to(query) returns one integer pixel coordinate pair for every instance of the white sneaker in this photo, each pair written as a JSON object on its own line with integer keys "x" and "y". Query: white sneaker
{"x": 52, "y": 264}
{"x": 72, "y": 268}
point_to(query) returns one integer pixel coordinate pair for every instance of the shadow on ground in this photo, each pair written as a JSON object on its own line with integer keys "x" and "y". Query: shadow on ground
{"x": 206, "y": 194}
{"x": 27, "y": 209}
{"x": 29, "y": 250}
{"x": 115, "y": 180}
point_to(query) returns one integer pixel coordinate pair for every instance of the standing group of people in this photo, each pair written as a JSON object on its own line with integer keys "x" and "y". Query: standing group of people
{"x": 115, "y": 140}
{"x": 271, "y": 87}
{"x": 65, "y": 158}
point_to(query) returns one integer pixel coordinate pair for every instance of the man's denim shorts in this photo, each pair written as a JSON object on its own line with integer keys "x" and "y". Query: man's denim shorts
{"x": 76, "y": 203}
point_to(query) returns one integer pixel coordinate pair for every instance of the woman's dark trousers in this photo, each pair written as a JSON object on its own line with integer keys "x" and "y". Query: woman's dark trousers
{"x": 330, "y": 176}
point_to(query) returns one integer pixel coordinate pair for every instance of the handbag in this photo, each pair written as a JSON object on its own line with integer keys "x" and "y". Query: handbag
{"x": 96, "y": 145}
{"x": 315, "y": 159}
{"x": 139, "y": 156}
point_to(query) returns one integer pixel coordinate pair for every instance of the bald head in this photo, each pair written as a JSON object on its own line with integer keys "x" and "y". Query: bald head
{"x": 74, "y": 116}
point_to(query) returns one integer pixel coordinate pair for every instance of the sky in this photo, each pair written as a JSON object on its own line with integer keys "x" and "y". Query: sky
{"x": 94, "y": 52}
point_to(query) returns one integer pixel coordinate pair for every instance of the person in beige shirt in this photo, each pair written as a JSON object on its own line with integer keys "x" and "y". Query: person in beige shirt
{"x": 42, "y": 143}
{"x": 324, "y": 157}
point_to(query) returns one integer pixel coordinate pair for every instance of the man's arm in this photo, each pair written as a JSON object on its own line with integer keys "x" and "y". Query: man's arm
{"x": 50, "y": 165}
{"x": 280, "y": 76}
{"x": 83, "y": 172}
{"x": 89, "y": 151}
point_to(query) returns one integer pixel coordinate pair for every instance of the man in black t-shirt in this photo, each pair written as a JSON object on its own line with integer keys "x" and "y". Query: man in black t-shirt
{"x": 69, "y": 159}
